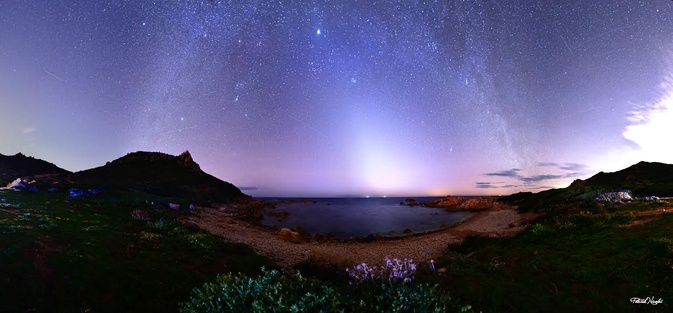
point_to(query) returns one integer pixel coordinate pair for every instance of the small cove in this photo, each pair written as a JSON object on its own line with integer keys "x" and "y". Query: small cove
{"x": 359, "y": 217}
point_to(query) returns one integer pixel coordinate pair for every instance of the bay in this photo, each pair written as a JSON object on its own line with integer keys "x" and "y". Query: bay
{"x": 345, "y": 218}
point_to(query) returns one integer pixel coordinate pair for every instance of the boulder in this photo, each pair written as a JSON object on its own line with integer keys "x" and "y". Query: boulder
{"x": 285, "y": 233}
{"x": 615, "y": 197}
{"x": 295, "y": 237}
{"x": 18, "y": 184}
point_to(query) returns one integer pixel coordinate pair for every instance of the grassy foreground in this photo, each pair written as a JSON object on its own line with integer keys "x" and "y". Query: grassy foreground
{"x": 578, "y": 259}
{"x": 98, "y": 254}
{"x": 59, "y": 254}
{"x": 587, "y": 258}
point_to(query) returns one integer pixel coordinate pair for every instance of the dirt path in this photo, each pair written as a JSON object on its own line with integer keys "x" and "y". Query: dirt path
{"x": 421, "y": 248}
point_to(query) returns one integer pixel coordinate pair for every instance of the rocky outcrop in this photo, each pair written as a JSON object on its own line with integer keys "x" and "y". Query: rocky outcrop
{"x": 467, "y": 203}
{"x": 186, "y": 159}
{"x": 622, "y": 196}
{"x": 287, "y": 234}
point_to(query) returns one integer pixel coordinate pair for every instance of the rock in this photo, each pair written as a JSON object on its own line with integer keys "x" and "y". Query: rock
{"x": 289, "y": 235}
{"x": 186, "y": 159}
{"x": 622, "y": 196}
{"x": 285, "y": 233}
{"x": 18, "y": 184}
{"x": 230, "y": 220}
{"x": 407, "y": 231}
{"x": 174, "y": 206}
{"x": 441, "y": 270}
{"x": 295, "y": 237}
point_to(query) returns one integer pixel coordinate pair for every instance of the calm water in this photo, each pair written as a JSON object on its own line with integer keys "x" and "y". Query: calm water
{"x": 359, "y": 217}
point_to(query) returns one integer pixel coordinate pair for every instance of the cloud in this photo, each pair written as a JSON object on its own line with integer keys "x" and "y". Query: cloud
{"x": 247, "y": 188}
{"x": 649, "y": 124}
{"x": 514, "y": 173}
{"x": 538, "y": 178}
{"x": 484, "y": 185}
{"x": 556, "y": 171}
{"x": 511, "y": 186}
{"x": 565, "y": 166}
{"x": 572, "y": 167}
{"x": 28, "y": 130}
{"x": 574, "y": 174}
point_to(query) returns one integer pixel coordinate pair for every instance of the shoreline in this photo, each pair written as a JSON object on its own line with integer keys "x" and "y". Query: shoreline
{"x": 497, "y": 222}
{"x": 465, "y": 204}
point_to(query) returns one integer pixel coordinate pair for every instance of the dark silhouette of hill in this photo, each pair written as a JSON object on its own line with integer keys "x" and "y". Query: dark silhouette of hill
{"x": 161, "y": 174}
{"x": 19, "y": 165}
{"x": 642, "y": 179}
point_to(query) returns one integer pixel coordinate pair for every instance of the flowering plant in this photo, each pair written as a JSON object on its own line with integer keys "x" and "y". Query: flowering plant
{"x": 395, "y": 270}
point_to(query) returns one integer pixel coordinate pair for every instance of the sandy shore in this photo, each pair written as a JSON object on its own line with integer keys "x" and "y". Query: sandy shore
{"x": 420, "y": 248}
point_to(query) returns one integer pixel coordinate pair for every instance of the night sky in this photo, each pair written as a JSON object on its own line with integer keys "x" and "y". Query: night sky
{"x": 344, "y": 98}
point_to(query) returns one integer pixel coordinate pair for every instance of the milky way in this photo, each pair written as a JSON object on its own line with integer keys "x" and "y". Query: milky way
{"x": 322, "y": 98}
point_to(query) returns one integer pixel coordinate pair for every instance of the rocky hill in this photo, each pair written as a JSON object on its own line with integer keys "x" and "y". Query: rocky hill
{"x": 161, "y": 174}
{"x": 642, "y": 179}
{"x": 19, "y": 165}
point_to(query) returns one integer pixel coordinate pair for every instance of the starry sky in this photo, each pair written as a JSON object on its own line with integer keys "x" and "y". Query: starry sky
{"x": 344, "y": 98}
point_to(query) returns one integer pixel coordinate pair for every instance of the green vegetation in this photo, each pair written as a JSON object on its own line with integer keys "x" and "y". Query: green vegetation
{"x": 582, "y": 260}
{"x": 116, "y": 252}
{"x": 90, "y": 255}
{"x": 275, "y": 292}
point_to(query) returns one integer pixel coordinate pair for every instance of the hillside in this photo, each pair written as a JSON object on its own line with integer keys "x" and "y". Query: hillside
{"x": 19, "y": 165}
{"x": 642, "y": 179}
{"x": 160, "y": 174}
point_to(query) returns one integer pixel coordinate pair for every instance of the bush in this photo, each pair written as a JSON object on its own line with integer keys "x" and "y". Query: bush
{"x": 271, "y": 292}
{"x": 385, "y": 297}
{"x": 275, "y": 292}
{"x": 537, "y": 230}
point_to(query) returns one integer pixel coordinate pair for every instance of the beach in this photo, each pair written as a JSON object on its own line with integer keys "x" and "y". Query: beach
{"x": 499, "y": 221}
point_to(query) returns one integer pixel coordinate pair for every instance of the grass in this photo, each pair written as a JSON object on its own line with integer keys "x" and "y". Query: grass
{"x": 580, "y": 259}
{"x": 88, "y": 255}
{"x": 577, "y": 262}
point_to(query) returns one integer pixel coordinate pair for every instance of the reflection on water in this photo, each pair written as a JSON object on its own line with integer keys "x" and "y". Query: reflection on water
{"x": 359, "y": 217}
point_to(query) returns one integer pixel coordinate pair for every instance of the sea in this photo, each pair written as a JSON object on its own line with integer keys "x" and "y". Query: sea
{"x": 346, "y": 218}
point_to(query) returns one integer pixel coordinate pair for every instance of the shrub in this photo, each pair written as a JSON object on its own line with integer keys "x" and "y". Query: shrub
{"x": 160, "y": 224}
{"x": 271, "y": 292}
{"x": 384, "y": 297}
{"x": 537, "y": 229}
{"x": 275, "y": 292}
{"x": 140, "y": 215}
